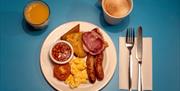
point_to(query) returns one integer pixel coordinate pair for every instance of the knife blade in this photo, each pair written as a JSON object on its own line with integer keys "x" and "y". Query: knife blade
{"x": 139, "y": 49}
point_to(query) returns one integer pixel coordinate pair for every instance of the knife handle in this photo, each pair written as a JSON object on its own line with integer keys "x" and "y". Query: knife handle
{"x": 139, "y": 77}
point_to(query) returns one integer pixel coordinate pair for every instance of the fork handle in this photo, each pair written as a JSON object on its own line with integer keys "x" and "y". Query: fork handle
{"x": 130, "y": 73}
{"x": 139, "y": 77}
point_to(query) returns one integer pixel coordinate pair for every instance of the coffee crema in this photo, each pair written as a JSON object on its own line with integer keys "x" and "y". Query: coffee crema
{"x": 117, "y": 8}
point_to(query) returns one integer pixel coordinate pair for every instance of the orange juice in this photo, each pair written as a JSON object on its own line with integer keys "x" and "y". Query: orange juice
{"x": 36, "y": 13}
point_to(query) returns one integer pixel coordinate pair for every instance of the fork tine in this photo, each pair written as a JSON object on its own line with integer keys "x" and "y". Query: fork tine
{"x": 127, "y": 35}
{"x": 133, "y": 35}
{"x": 130, "y": 35}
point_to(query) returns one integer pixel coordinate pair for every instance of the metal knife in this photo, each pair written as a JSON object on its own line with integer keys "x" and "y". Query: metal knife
{"x": 139, "y": 52}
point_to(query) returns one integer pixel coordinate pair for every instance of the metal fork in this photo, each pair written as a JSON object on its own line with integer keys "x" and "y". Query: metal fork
{"x": 130, "y": 44}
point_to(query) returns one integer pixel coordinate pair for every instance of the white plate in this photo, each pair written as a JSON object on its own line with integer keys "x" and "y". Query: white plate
{"x": 109, "y": 62}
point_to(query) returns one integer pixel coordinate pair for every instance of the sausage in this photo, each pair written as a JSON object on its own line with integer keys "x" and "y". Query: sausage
{"x": 98, "y": 67}
{"x": 90, "y": 62}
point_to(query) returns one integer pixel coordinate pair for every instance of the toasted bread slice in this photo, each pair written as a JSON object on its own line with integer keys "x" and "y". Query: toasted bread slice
{"x": 75, "y": 29}
{"x": 76, "y": 41}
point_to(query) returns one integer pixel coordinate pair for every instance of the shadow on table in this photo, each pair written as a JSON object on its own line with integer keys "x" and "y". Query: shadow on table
{"x": 30, "y": 30}
{"x": 133, "y": 90}
{"x": 112, "y": 28}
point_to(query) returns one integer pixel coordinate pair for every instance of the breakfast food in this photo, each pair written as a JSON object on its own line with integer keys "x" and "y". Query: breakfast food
{"x": 76, "y": 41}
{"x": 61, "y": 51}
{"x": 98, "y": 67}
{"x": 93, "y": 42}
{"x": 75, "y": 38}
{"x": 78, "y": 73}
{"x": 62, "y": 71}
{"x": 73, "y": 30}
{"x": 90, "y": 62}
{"x": 86, "y": 64}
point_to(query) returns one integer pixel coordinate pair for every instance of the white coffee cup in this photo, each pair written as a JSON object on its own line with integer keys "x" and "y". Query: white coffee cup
{"x": 116, "y": 10}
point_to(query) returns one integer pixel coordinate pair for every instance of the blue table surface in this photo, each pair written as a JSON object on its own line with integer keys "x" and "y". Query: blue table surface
{"x": 20, "y": 46}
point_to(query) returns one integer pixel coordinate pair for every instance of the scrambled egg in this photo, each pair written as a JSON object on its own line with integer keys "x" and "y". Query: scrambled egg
{"x": 78, "y": 73}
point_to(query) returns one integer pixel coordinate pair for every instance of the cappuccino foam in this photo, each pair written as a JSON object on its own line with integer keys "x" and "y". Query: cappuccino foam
{"x": 117, "y": 8}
